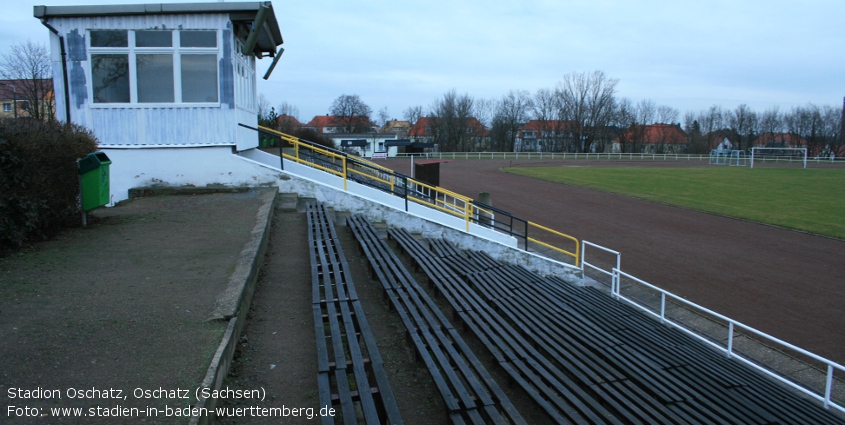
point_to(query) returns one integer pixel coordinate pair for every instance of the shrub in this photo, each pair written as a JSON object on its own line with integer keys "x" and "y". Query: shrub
{"x": 312, "y": 136}
{"x": 39, "y": 184}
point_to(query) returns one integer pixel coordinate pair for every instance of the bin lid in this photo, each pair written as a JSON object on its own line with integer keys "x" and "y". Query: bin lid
{"x": 93, "y": 161}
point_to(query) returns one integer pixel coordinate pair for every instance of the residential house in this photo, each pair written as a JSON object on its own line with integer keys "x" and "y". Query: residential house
{"x": 399, "y": 128}
{"x": 544, "y": 136}
{"x": 19, "y": 98}
{"x": 652, "y": 138}
{"x": 287, "y": 123}
{"x": 428, "y": 133}
{"x": 780, "y": 140}
{"x": 328, "y": 124}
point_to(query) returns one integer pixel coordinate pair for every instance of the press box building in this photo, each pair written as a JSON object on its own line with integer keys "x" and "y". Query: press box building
{"x": 163, "y": 86}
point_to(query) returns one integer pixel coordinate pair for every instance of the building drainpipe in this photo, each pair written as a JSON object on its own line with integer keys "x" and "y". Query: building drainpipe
{"x": 64, "y": 70}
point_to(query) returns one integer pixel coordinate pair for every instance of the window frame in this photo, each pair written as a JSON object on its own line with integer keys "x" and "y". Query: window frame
{"x": 132, "y": 52}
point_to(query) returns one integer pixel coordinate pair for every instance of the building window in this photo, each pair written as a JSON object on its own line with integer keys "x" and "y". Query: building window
{"x": 154, "y": 66}
{"x": 7, "y": 107}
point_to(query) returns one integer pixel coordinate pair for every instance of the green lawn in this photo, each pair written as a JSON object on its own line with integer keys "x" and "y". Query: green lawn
{"x": 811, "y": 200}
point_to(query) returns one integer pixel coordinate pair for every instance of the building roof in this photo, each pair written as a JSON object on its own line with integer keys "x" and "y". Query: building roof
{"x": 321, "y": 121}
{"x": 288, "y": 121}
{"x": 670, "y": 134}
{"x": 786, "y": 140}
{"x": 269, "y": 37}
{"x": 418, "y": 129}
{"x": 23, "y": 88}
{"x": 396, "y": 126}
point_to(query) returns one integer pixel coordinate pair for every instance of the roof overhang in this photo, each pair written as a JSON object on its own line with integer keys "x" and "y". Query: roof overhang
{"x": 269, "y": 35}
{"x": 350, "y": 143}
{"x": 397, "y": 142}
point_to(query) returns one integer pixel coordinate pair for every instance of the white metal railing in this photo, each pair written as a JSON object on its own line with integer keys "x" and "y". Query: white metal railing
{"x": 605, "y": 156}
{"x": 587, "y": 265}
{"x": 728, "y": 348}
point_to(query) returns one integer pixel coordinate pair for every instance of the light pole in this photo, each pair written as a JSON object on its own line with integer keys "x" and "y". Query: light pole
{"x": 14, "y": 97}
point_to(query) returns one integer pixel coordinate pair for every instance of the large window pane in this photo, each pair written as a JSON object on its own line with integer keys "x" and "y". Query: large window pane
{"x": 110, "y": 75}
{"x": 109, "y": 38}
{"x": 155, "y": 78}
{"x": 199, "y": 78}
{"x": 198, "y": 38}
{"x": 153, "y": 38}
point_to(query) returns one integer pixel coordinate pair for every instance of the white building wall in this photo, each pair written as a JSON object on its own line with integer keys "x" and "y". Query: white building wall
{"x": 157, "y": 124}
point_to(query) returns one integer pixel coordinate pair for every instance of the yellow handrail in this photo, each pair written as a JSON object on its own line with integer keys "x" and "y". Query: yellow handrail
{"x": 441, "y": 195}
{"x": 576, "y": 255}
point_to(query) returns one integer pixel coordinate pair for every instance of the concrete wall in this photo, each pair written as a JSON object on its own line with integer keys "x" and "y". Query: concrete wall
{"x": 377, "y": 205}
{"x": 219, "y": 166}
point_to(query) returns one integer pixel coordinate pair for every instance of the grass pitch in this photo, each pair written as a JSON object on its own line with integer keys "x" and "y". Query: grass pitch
{"x": 810, "y": 200}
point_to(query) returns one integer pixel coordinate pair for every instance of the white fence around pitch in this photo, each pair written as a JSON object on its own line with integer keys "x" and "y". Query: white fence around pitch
{"x": 732, "y": 327}
{"x": 605, "y": 156}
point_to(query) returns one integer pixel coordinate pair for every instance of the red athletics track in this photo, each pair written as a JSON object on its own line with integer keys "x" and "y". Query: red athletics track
{"x": 788, "y": 284}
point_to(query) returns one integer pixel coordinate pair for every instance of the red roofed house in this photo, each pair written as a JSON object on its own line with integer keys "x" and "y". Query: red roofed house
{"x": 17, "y": 98}
{"x": 426, "y": 130}
{"x": 653, "y": 138}
{"x": 544, "y": 136}
{"x": 327, "y": 124}
{"x": 287, "y": 123}
{"x": 780, "y": 140}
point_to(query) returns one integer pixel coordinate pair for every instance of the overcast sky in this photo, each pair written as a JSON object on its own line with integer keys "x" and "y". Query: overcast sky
{"x": 395, "y": 54}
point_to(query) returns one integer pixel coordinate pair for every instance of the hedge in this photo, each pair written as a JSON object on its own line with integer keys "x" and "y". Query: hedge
{"x": 39, "y": 184}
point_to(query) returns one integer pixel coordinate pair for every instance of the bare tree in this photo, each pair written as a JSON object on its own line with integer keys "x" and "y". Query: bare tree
{"x": 547, "y": 109}
{"x": 28, "y": 67}
{"x": 667, "y": 114}
{"x": 451, "y": 120}
{"x": 351, "y": 114}
{"x": 383, "y": 117}
{"x": 771, "y": 121}
{"x": 742, "y": 121}
{"x": 511, "y": 113}
{"x": 286, "y": 109}
{"x": 587, "y": 100}
{"x": 413, "y": 114}
{"x": 263, "y": 107}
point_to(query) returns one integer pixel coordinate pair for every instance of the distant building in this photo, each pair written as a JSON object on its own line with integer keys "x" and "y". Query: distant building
{"x": 780, "y": 140}
{"x": 399, "y": 128}
{"x": 544, "y": 136}
{"x": 652, "y": 138}
{"x": 328, "y": 124}
{"x": 19, "y": 94}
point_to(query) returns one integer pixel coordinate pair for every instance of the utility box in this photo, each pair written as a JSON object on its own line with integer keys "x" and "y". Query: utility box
{"x": 94, "y": 180}
{"x": 428, "y": 171}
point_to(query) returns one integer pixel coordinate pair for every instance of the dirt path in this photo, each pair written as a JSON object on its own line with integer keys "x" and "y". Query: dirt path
{"x": 785, "y": 283}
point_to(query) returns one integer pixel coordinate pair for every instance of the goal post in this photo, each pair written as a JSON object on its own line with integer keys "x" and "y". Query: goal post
{"x": 777, "y": 154}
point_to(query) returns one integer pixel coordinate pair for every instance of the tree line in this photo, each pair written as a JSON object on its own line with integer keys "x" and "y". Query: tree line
{"x": 583, "y": 112}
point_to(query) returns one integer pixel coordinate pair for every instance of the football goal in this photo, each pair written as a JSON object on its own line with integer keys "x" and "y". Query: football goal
{"x": 727, "y": 157}
{"x": 779, "y": 155}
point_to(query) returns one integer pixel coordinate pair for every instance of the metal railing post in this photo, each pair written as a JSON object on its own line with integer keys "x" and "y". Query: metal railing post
{"x": 281, "y": 154}
{"x": 730, "y": 339}
{"x": 405, "y": 178}
{"x": 828, "y": 388}
{"x": 343, "y": 160}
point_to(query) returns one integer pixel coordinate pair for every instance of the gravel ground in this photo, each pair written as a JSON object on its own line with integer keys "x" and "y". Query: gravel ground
{"x": 119, "y": 307}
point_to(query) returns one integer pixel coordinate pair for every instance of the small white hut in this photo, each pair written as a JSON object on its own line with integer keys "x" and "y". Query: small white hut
{"x": 163, "y": 86}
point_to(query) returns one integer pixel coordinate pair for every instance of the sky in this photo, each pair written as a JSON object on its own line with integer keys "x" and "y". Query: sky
{"x": 396, "y": 54}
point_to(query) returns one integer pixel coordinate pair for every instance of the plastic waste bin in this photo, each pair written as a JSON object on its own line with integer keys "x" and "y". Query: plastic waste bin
{"x": 94, "y": 180}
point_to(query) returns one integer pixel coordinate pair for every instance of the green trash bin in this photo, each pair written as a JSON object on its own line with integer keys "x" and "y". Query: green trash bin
{"x": 94, "y": 180}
